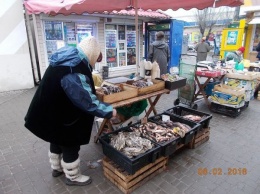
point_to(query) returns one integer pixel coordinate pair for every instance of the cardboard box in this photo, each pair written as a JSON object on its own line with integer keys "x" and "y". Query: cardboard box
{"x": 236, "y": 91}
{"x": 223, "y": 98}
{"x": 246, "y": 84}
{"x": 223, "y": 94}
{"x": 242, "y": 75}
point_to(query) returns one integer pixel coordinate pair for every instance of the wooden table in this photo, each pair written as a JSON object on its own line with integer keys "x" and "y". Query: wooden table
{"x": 201, "y": 90}
{"x": 122, "y": 103}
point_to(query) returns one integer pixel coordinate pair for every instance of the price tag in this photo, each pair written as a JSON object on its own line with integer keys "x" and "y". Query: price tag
{"x": 144, "y": 120}
{"x": 165, "y": 117}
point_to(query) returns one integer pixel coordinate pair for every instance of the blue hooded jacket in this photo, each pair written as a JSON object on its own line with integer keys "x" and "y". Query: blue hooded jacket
{"x": 63, "y": 108}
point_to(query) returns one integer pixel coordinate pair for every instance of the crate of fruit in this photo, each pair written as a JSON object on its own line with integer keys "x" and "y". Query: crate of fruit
{"x": 128, "y": 149}
{"x": 111, "y": 93}
{"x": 145, "y": 87}
{"x": 191, "y": 115}
{"x": 184, "y": 128}
{"x": 173, "y": 82}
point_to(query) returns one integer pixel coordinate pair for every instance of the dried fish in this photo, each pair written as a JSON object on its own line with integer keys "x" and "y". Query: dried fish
{"x": 195, "y": 118}
{"x": 155, "y": 132}
{"x": 130, "y": 143}
{"x": 109, "y": 89}
{"x": 140, "y": 84}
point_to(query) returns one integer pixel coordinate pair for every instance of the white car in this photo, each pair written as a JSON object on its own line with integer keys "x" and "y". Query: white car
{"x": 191, "y": 48}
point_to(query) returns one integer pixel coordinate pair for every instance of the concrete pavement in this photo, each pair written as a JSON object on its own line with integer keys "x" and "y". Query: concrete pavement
{"x": 234, "y": 144}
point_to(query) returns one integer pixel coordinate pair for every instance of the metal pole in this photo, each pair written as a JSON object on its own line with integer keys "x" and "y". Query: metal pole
{"x": 137, "y": 37}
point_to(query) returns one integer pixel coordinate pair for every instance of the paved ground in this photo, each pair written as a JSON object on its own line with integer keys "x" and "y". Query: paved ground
{"x": 234, "y": 143}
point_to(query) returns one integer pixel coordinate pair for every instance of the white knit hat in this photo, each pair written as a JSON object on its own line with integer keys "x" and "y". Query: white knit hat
{"x": 91, "y": 48}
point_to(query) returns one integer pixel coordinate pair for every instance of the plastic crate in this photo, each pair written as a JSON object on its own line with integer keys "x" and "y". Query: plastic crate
{"x": 246, "y": 105}
{"x": 175, "y": 84}
{"x": 226, "y": 110}
{"x": 131, "y": 165}
{"x": 189, "y": 135}
{"x": 207, "y": 73}
{"x": 167, "y": 147}
{"x": 182, "y": 111}
{"x": 253, "y": 68}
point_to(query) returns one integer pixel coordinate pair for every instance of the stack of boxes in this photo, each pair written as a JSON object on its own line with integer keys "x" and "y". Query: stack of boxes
{"x": 234, "y": 94}
{"x": 243, "y": 80}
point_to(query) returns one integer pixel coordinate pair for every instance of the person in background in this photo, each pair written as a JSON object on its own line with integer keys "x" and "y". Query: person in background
{"x": 159, "y": 51}
{"x": 202, "y": 50}
{"x": 63, "y": 108}
{"x": 258, "y": 51}
{"x": 237, "y": 56}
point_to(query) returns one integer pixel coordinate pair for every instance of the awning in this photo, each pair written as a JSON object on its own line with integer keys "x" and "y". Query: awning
{"x": 67, "y": 7}
{"x": 256, "y": 18}
{"x": 141, "y": 13}
{"x": 255, "y": 21}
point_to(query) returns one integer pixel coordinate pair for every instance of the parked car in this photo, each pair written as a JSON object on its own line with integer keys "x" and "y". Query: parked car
{"x": 191, "y": 48}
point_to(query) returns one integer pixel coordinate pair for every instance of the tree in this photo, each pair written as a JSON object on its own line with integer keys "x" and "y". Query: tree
{"x": 208, "y": 18}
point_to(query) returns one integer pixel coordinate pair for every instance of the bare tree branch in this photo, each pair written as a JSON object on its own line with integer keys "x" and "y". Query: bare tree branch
{"x": 208, "y": 18}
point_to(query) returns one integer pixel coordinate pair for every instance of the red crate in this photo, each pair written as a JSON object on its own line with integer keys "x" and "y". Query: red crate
{"x": 207, "y": 73}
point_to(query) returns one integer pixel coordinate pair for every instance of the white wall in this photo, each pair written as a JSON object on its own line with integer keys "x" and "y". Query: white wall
{"x": 15, "y": 63}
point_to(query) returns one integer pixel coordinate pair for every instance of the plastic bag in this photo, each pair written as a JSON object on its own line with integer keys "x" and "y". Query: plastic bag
{"x": 134, "y": 109}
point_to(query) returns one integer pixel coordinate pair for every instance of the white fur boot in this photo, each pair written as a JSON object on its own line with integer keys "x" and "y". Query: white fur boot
{"x": 73, "y": 175}
{"x": 55, "y": 160}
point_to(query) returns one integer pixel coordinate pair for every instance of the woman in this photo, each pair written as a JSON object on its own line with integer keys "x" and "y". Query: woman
{"x": 237, "y": 56}
{"x": 63, "y": 108}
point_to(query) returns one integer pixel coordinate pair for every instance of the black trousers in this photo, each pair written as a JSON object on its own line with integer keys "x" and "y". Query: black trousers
{"x": 69, "y": 153}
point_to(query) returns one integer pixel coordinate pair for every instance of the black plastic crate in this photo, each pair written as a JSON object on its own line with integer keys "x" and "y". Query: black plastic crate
{"x": 253, "y": 68}
{"x": 182, "y": 111}
{"x": 189, "y": 135}
{"x": 175, "y": 84}
{"x": 167, "y": 147}
{"x": 246, "y": 105}
{"x": 131, "y": 165}
{"x": 225, "y": 110}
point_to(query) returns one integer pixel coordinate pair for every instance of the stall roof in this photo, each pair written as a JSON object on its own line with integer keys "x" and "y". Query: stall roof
{"x": 141, "y": 13}
{"x": 66, "y": 7}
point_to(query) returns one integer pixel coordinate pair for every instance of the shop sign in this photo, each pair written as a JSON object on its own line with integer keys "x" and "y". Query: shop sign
{"x": 159, "y": 27}
{"x": 232, "y": 37}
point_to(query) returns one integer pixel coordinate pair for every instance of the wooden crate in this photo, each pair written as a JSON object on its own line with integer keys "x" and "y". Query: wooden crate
{"x": 128, "y": 183}
{"x": 157, "y": 85}
{"x": 128, "y": 92}
{"x": 201, "y": 137}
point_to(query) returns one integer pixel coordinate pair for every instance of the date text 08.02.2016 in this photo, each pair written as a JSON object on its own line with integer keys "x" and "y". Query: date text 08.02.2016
{"x": 219, "y": 171}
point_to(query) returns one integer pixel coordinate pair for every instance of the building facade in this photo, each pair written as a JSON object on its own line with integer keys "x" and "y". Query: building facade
{"x": 15, "y": 66}
{"x": 115, "y": 33}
